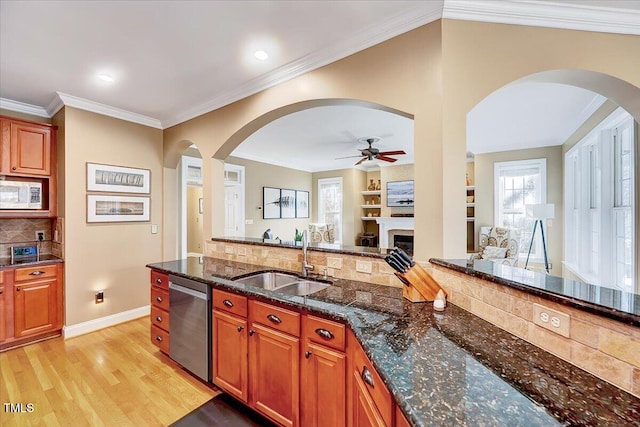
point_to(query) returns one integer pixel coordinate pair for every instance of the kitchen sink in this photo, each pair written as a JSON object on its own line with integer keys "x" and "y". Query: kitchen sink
{"x": 282, "y": 282}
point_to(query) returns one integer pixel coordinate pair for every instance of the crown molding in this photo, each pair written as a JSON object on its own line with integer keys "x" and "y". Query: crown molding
{"x": 55, "y": 105}
{"x": 21, "y": 107}
{"x": 423, "y": 13}
{"x": 537, "y": 13}
{"x": 106, "y": 110}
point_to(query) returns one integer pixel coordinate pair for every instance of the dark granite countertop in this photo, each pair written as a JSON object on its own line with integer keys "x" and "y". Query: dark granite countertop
{"x": 449, "y": 368}
{"x": 612, "y": 303}
{"x": 43, "y": 259}
{"x": 319, "y": 247}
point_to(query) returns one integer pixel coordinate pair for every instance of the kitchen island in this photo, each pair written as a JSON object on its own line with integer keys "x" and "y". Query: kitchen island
{"x": 449, "y": 368}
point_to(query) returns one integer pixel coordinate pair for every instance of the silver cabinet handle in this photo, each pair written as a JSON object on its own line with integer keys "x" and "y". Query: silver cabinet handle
{"x": 275, "y": 319}
{"x": 159, "y": 319}
{"x": 307, "y": 354}
{"x": 227, "y": 303}
{"x": 240, "y": 328}
{"x": 327, "y": 335}
{"x": 367, "y": 377}
{"x": 158, "y": 280}
{"x": 36, "y": 273}
{"x": 159, "y": 299}
{"x": 159, "y": 338}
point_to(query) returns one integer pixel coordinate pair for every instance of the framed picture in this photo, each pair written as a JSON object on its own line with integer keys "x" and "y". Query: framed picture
{"x": 302, "y": 204}
{"x": 287, "y": 203}
{"x": 117, "y": 208}
{"x": 270, "y": 203}
{"x": 400, "y": 193}
{"x": 118, "y": 179}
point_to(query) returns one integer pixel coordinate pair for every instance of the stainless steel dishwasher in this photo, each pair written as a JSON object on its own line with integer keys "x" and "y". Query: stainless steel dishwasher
{"x": 189, "y": 329}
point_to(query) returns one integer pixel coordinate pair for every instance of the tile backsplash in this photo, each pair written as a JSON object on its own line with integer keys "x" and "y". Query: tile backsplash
{"x": 23, "y": 231}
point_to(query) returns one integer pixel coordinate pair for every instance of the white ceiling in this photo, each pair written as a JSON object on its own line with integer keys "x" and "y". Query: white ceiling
{"x": 175, "y": 60}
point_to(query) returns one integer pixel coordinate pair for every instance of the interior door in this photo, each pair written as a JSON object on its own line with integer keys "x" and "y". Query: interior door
{"x": 233, "y": 211}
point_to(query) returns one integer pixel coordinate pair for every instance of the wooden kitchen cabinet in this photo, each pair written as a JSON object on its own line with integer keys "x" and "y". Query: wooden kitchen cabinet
{"x": 37, "y": 300}
{"x": 230, "y": 347}
{"x": 274, "y": 374}
{"x": 26, "y": 148}
{"x": 28, "y": 153}
{"x": 3, "y": 311}
{"x": 323, "y": 373}
{"x": 160, "y": 311}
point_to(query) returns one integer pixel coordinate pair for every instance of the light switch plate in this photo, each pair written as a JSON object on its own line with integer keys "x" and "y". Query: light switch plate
{"x": 154, "y": 228}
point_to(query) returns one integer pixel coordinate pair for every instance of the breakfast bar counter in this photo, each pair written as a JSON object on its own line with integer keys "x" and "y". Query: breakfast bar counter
{"x": 443, "y": 368}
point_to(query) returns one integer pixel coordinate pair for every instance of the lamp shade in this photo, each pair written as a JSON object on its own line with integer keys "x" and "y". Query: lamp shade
{"x": 540, "y": 211}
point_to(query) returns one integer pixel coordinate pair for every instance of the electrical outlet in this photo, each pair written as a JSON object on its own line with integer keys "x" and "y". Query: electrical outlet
{"x": 552, "y": 320}
{"x": 363, "y": 266}
{"x": 40, "y": 235}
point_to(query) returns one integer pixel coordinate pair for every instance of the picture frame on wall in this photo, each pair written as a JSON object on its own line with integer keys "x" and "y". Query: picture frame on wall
{"x": 113, "y": 208}
{"x": 287, "y": 203}
{"x": 118, "y": 179}
{"x": 400, "y": 193}
{"x": 302, "y": 204}
{"x": 270, "y": 203}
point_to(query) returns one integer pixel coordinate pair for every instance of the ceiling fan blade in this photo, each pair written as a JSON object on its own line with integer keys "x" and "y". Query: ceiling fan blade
{"x": 392, "y": 153}
{"x": 386, "y": 159}
{"x": 347, "y": 157}
{"x": 361, "y": 160}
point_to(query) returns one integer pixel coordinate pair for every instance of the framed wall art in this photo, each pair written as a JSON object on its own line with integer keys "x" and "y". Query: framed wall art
{"x": 109, "y": 208}
{"x": 287, "y": 203}
{"x": 302, "y": 204}
{"x": 270, "y": 203}
{"x": 400, "y": 193}
{"x": 118, "y": 179}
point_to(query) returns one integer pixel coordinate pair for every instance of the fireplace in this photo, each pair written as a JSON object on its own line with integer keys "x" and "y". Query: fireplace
{"x": 404, "y": 242}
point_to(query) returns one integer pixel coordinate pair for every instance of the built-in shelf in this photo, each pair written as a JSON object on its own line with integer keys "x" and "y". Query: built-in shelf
{"x": 371, "y": 206}
{"x": 470, "y": 219}
{"x": 471, "y": 187}
{"x": 371, "y": 192}
{"x": 368, "y": 218}
{"x": 470, "y": 205}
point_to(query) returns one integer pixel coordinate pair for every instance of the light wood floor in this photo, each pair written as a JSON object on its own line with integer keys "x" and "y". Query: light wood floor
{"x": 112, "y": 377}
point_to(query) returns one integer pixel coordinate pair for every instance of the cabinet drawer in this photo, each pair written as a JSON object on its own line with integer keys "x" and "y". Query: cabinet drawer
{"x": 35, "y": 273}
{"x": 160, "y": 298}
{"x": 160, "y": 338}
{"x": 275, "y": 317}
{"x": 160, "y": 317}
{"x": 374, "y": 385}
{"x": 325, "y": 332}
{"x": 160, "y": 280}
{"x": 230, "y": 302}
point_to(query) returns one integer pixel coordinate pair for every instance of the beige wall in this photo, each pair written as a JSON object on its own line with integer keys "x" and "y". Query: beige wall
{"x": 408, "y": 80}
{"x": 258, "y": 175}
{"x": 107, "y": 256}
{"x": 485, "y": 203}
{"x": 194, "y": 220}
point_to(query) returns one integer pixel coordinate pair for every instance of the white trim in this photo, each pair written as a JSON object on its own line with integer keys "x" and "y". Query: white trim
{"x": 104, "y": 322}
{"x": 106, "y": 110}
{"x": 537, "y": 13}
{"x": 185, "y": 162}
{"x": 241, "y": 183}
{"x": 21, "y": 107}
{"x": 422, "y": 14}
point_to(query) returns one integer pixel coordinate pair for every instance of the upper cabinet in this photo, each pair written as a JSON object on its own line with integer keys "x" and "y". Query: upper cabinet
{"x": 26, "y": 148}
{"x": 28, "y": 154}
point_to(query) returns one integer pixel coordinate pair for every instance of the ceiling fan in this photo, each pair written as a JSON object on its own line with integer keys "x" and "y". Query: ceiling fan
{"x": 371, "y": 153}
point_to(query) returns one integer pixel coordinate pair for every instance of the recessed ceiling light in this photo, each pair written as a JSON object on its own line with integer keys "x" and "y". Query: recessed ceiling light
{"x": 261, "y": 55}
{"x": 106, "y": 78}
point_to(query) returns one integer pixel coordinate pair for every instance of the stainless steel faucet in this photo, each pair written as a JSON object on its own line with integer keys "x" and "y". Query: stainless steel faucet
{"x": 306, "y": 267}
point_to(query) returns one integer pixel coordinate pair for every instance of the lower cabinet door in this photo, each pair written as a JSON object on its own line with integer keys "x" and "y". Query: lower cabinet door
{"x": 3, "y": 320}
{"x": 365, "y": 413}
{"x": 274, "y": 374}
{"x": 323, "y": 387}
{"x": 230, "y": 363}
{"x": 36, "y": 308}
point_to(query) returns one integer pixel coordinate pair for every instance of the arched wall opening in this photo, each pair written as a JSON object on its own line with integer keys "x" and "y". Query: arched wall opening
{"x": 620, "y": 93}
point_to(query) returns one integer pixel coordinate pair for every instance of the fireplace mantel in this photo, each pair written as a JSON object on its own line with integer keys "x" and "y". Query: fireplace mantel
{"x": 392, "y": 223}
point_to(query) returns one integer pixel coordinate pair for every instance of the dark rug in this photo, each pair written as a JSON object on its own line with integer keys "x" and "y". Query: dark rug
{"x": 223, "y": 410}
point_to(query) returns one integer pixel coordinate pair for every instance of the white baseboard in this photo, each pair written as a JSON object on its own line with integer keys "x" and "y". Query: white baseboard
{"x": 104, "y": 322}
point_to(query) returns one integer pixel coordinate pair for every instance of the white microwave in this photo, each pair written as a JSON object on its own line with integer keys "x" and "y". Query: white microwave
{"x": 20, "y": 195}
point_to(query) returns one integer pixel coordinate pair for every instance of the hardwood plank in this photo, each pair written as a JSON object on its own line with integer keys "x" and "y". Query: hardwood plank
{"x": 112, "y": 377}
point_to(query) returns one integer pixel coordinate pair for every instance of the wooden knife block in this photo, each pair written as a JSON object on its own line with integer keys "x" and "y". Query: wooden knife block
{"x": 420, "y": 286}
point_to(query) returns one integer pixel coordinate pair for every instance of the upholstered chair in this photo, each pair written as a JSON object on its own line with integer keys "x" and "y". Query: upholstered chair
{"x": 499, "y": 244}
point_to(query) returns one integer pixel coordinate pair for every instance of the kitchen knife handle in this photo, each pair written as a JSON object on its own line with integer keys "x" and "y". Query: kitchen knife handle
{"x": 405, "y": 256}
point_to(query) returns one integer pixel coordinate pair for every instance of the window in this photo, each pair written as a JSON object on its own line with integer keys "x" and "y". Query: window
{"x": 518, "y": 184}
{"x": 330, "y": 204}
{"x": 600, "y": 230}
